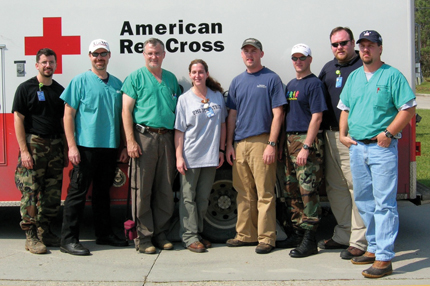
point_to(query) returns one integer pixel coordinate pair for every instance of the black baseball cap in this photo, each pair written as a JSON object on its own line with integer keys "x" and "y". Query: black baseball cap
{"x": 370, "y": 35}
{"x": 252, "y": 42}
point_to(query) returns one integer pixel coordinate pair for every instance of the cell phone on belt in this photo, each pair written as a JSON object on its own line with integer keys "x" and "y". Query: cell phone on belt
{"x": 140, "y": 128}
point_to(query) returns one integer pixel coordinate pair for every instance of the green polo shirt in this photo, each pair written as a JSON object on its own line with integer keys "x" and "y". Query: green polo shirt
{"x": 155, "y": 102}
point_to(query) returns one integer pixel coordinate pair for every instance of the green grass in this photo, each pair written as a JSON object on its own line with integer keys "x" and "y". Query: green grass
{"x": 423, "y": 136}
{"x": 424, "y": 87}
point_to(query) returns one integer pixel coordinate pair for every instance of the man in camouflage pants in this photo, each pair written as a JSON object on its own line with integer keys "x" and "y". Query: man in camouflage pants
{"x": 38, "y": 112}
{"x": 304, "y": 155}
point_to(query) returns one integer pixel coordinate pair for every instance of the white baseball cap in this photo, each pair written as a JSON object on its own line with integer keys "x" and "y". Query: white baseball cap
{"x": 301, "y": 49}
{"x": 99, "y": 44}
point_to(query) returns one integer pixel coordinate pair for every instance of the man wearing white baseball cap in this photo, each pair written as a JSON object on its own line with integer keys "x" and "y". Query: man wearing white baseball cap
{"x": 92, "y": 124}
{"x": 303, "y": 153}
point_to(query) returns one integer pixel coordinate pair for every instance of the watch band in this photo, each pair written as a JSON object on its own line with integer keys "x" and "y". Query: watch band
{"x": 388, "y": 134}
{"x": 305, "y": 146}
{"x": 271, "y": 143}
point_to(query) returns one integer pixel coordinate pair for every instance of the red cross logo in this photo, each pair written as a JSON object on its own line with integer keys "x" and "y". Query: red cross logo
{"x": 52, "y": 38}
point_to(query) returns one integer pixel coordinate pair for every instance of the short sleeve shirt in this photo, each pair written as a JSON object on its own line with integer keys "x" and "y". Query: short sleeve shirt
{"x": 305, "y": 97}
{"x": 374, "y": 104}
{"x": 334, "y": 76}
{"x": 98, "y": 108}
{"x": 253, "y": 96}
{"x": 155, "y": 102}
{"x": 201, "y": 132}
{"x": 43, "y": 115}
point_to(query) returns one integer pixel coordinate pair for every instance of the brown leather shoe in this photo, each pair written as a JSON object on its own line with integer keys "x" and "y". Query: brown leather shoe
{"x": 331, "y": 244}
{"x": 197, "y": 246}
{"x": 233, "y": 242}
{"x": 263, "y": 248}
{"x": 366, "y": 258}
{"x": 351, "y": 252}
{"x": 378, "y": 269}
{"x": 206, "y": 243}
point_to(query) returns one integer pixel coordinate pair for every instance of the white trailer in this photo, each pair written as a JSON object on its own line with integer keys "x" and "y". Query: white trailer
{"x": 211, "y": 30}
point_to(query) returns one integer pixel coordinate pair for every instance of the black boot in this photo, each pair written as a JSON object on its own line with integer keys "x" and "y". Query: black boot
{"x": 307, "y": 247}
{"x": 292, "y": 240}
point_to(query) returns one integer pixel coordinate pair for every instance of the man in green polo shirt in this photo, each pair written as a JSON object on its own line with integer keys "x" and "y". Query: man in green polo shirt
{"x": 149, "y": 101}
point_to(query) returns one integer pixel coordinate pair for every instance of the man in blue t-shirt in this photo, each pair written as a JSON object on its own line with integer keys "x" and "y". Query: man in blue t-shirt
{"x": 303, "y": 153}
{"x": 376, "y": 103}
{"x": 256, "y": 100}
{"x": 92, "y": 122}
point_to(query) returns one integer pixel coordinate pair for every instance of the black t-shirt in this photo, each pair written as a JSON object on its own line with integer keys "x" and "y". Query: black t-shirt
{"x": 41, "y": 116}
{"x": 328, "y": 76}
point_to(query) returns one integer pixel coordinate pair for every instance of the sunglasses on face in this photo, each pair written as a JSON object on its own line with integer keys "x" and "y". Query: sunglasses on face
{"x": 302, "y": 58}
{"x": 104, "y": 54}
{"x": 342, "y": 44}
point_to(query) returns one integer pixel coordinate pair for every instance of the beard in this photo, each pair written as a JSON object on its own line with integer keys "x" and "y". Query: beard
{"x": 47, "y": 73}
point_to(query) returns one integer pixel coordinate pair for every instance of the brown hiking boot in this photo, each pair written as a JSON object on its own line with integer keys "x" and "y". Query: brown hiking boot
{"x": 46, "y": 236}
{"x": 32, "y": 243}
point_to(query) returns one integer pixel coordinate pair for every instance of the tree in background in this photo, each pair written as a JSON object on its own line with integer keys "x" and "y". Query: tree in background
{"x": 422, "y": 18}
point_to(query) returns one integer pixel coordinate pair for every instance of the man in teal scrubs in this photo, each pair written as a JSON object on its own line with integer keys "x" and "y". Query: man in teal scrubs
{"x": 92, "y": 121}
{"x": 149, "y": 102}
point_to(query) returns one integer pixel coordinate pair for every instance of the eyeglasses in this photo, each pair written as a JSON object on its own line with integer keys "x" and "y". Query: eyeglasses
{"x": 45, "y": 63}
{"x": 104, "y": 54}
{"x": 302, "y": 58}
{"x": 342, "y": 44}
{"x": 153, "y": 54}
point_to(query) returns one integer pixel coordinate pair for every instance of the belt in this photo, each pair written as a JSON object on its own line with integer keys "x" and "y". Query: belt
{"x": 368, "y": 141}
{"x": 48, "y": 136}
{"x": 333, "y": 128}
{"x": 150, "y": 129}
{"x": 301, "y": 132}
{"x": 297, "y": 133}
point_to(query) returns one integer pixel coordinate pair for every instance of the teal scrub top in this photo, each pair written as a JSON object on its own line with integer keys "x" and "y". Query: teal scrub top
{"x": 98, "y": 110}
{"x": 375, "y": 103}
{"x": 155, "y": 102}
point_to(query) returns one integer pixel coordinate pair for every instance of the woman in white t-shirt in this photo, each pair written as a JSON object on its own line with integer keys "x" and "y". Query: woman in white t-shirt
{"x": 200, "y": 134}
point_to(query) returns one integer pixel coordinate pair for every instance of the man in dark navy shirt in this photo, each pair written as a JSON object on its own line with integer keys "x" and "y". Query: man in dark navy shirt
{"x": 350, "y": 230}
{"x": 304, "y": 157}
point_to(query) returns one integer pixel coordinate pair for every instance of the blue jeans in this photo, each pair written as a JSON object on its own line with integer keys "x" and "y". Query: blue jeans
{"x": 374, "y": 174}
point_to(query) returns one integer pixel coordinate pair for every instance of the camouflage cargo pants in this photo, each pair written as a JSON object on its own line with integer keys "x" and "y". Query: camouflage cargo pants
{"x": 40, "y": 186}
{"x": 302, "y": 182}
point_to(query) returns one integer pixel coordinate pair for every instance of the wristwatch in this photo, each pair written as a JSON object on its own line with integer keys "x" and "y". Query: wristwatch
{"x": 388, "y": 134}
{"x": 305, "y": 146}
{"x": 271, "y": 143}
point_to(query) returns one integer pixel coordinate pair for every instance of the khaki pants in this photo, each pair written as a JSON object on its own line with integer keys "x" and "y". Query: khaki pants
{"x": 152, "y": 176}
{"x": 254, "y": 182}
{"x": 350, "y": 229}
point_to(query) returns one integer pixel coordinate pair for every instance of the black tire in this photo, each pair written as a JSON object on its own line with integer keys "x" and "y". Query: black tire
{"x": 221, "y": 217}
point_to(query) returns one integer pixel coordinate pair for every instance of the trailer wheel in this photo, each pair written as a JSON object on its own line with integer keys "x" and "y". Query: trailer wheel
{"x": 221, "y": 217}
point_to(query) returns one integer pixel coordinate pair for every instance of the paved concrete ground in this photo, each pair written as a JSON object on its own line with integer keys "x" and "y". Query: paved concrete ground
{"x": 220, "y": 266}
{"x": 423, "y": 101}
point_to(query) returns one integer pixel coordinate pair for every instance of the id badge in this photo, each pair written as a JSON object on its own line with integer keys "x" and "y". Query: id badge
{"x": 41, "y": 95}
{"x": 339, "y": 82}
{"x": 209, "y": 112}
